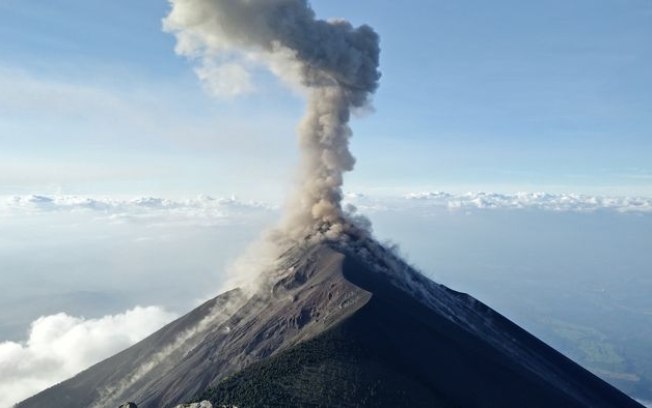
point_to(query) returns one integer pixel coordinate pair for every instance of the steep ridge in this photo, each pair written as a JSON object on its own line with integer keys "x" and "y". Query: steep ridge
{"x": 339, "y": 324}
{"x": 417, "y": 345}
{"x": 479, "y": 349}
{"x": 219, "y": 338}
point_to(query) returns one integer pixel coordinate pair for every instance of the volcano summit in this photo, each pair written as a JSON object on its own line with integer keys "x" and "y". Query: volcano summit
{"x": 338, "y": 324}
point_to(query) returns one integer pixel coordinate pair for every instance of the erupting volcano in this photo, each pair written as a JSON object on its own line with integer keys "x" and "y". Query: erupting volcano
{"x": 339, "y": 324}
{"x": 336, "y": 320}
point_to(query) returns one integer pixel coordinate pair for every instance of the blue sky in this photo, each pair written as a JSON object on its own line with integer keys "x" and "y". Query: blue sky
{"x": 497, "y": 96}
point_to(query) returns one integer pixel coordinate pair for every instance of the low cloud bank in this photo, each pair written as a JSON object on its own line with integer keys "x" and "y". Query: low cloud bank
{"x": 60, "y": 346}
{"x": 203, "y": 210}
{"x": 537, "y": 201}
{"x": 116, "y": 205}
{"x": 231, "y": 207}
{"x": 494, "y": 201}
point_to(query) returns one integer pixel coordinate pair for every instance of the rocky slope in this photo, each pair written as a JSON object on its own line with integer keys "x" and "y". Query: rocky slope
{"x": 339, "y": 325}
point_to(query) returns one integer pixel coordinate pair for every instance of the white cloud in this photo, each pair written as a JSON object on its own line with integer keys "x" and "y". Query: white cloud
{"x": 232, "y": 207}
{"x": 60, "y": 346}
{"x": 204, "y": 210}
{"x": 496, "y": 201}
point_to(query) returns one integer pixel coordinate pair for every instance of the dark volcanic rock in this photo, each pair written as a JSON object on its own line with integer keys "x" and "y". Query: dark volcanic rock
{"x": 342, "y": 326}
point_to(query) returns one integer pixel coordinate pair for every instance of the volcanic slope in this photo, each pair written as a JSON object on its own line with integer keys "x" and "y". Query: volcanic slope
{"x": 339, "y": 325}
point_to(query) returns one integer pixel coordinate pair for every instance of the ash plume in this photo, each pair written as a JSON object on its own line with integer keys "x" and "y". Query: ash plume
{"x": 338, "y": 66}
{"x": 336, "y": 63}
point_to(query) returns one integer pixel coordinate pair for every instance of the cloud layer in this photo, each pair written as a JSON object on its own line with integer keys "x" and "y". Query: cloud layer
{"x": 534, "y": 201}
{"x": 207, "y": 207}
{"x": 59, "y": 346}
{"x": 425, "y": 202}
{"x": 203, "y": 209}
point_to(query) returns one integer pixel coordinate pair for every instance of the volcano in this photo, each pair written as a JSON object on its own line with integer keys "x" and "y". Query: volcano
{"x": 338, "y": 324}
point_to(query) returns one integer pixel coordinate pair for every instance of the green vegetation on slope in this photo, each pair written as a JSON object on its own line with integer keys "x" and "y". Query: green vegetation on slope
{"x": 332, "y": 370}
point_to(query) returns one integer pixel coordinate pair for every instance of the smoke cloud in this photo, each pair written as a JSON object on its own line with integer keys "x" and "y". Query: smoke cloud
{"x": 336, "y": 63}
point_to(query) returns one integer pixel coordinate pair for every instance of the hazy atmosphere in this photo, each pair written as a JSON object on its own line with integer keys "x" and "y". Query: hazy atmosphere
{"x": 505, "y": 154}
